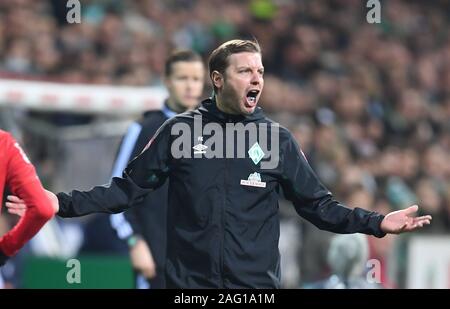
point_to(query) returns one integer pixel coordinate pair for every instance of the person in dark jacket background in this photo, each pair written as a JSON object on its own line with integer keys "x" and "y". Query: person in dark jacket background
{"x": 226, "y": 163}
{"x": 144, "y": 227}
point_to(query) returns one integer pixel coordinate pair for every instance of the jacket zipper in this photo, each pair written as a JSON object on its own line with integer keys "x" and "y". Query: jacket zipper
{"x": 222, "y": 249}
{"x": 222, "y": 262}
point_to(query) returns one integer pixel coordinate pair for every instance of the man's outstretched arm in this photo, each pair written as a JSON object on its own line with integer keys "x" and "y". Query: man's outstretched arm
{"x": 119, "y": 195}
{"x": 143, "y": 174}
{"x": 314, "y": 202}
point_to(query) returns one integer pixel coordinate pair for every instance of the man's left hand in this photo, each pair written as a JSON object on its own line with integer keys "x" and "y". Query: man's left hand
{"x": 404, "y": 221}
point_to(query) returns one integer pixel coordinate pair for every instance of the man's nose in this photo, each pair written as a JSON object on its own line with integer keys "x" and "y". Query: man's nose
{"x": 190, "y": 84}
{"x": 256, "y": 79}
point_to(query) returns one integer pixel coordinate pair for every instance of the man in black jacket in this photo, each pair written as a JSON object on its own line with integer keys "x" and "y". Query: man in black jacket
{"x": 144, "y": 227}
{"x": 226, "y": 163}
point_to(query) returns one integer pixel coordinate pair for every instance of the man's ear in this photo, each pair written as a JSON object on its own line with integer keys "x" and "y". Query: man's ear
{"x": 217, "y": 79}
{"x": 166, "y": 81}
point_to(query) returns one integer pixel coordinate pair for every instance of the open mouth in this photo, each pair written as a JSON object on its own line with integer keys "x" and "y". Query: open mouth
{"x": 251, "y": 97}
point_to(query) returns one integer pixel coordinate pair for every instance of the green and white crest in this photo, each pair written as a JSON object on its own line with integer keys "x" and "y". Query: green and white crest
{"x": 256, "y": 153}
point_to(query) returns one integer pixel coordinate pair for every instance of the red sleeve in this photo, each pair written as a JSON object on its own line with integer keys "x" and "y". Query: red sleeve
{"x": 23, "y": 182}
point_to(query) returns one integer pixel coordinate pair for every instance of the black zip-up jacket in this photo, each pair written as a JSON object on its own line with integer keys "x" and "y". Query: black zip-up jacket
{"x": 220, "y": 233}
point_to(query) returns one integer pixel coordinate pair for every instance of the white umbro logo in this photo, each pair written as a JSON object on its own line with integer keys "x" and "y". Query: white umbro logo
{"x": 200, "y": 148}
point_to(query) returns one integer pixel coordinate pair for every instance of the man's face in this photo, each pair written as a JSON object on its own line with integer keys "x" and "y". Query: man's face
{"x": 242, "y": 83}
{"x": 185, "y": 84}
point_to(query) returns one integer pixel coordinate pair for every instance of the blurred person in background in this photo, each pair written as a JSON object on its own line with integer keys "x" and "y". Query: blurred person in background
{"x": 144, "y": 227}
{"x": 347, "y": 258}
{"x": 382, "y": 249}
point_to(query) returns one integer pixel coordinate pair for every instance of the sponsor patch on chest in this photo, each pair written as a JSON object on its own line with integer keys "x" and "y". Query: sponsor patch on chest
{"x": 254, "y": 180}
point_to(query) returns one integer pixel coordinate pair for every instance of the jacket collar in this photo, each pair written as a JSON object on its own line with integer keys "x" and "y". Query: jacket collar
{"x": 165, "y": 109}
{"x": 208, "y": 107}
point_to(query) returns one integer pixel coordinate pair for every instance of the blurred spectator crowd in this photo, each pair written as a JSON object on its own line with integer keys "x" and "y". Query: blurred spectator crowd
{"x": 369, "y": 103}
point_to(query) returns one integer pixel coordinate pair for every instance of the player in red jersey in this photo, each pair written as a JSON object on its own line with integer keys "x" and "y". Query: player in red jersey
{"x": 19, "y": 175}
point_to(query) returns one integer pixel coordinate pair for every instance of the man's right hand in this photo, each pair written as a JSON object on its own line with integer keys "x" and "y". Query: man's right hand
{"x": 18, "y": 207}
{"x": 142, "y": 259}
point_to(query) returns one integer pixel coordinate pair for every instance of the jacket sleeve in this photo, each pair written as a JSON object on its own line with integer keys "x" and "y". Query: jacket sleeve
{"x": 128, "y": 224}
{"x": 146, "y": 172}
{"x": 23, "y": 182}
{"x": 131, "y": 216}
{"x": 127, "y": 151}
{"x": 314, "y": 202}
